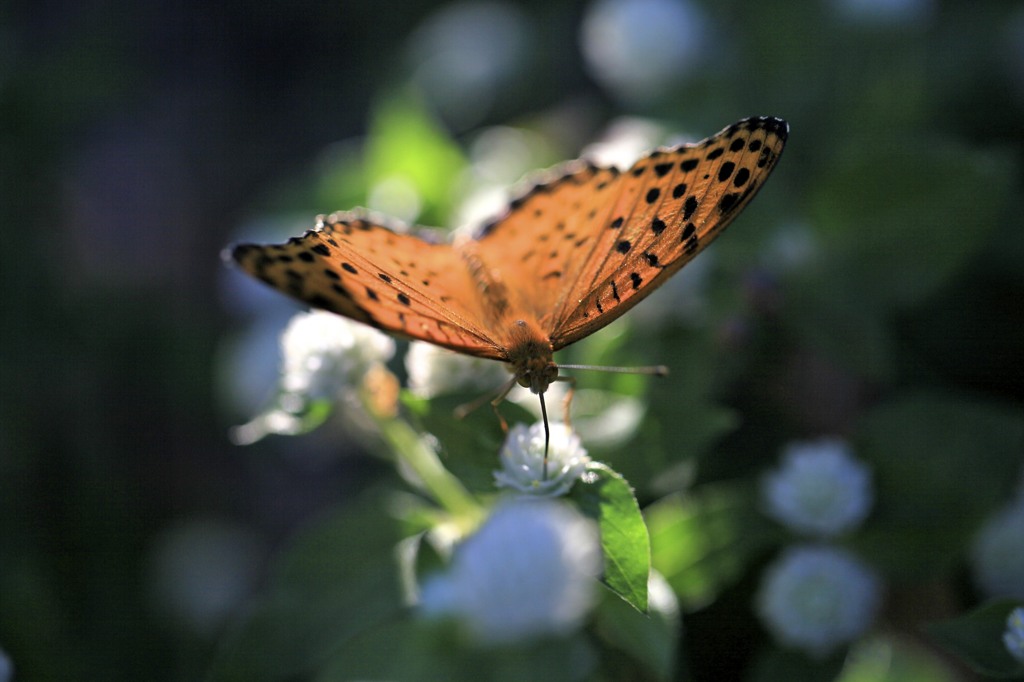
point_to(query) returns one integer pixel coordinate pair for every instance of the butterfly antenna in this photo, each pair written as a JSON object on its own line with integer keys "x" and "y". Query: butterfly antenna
{"x": 547, "y": 432}
{"x": 654, "y": 371}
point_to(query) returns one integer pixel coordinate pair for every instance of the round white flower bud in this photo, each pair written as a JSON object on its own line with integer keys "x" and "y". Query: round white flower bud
{"x": 523, "y": 465}
{"x": 819, "y": 490}
{"x": 530, "y": 571}
{"x": 817, "y": 598}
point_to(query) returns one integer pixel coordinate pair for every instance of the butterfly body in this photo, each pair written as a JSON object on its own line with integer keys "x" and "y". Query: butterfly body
{"x": 568, "y": 257}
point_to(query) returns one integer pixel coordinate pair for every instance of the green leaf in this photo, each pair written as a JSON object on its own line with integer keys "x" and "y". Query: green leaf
{"x": 408, "y": 145}
{"x": 977, "y": 638}
{"x": 339, "y": 580}
{"x": 276, "y": 420}
{"x": 652, "y": 638}
{"x": 702, "y": 542}
{"x": 895, "y": 659}
{"x": 940, "y": 464}
{"x": 605, "y": 496}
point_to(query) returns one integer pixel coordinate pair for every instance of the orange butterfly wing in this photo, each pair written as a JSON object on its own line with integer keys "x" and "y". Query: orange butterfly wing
{"x": 568, "y": 257}
{"x": 400, "y": 283}
{"x": 539, "y": 244}
{"x": 589, "y": 245}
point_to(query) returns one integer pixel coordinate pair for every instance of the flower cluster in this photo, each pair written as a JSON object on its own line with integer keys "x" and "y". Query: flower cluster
{"x": 1013, "y": 638}
{"x": 998, "y": 553}
{"x": 818, "y": 597}
{"x": 322, "y": 355}
{"x": 435, "y": 371}
{"x": 529, "y": 571}
{"x": 820, "y": 490}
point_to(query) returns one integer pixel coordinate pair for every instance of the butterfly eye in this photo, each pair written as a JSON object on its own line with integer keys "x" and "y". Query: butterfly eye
{"x": 550, "y": 372}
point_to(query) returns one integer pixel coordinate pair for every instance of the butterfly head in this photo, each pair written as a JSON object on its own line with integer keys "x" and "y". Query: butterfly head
{"x": 530, "y": 355}
{"x": 537, "y": 375}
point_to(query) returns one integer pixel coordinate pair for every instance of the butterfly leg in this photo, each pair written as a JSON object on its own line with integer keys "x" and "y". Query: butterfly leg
{"x": 463, "y": 411}
{"x": 502, "y": 394}
{"x": 501, "y": 419}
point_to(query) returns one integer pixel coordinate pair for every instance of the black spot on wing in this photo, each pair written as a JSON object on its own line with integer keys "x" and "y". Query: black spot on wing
{"x": 728, "y": 201}
{"x": 689, "y": 207}
{"x": 319, "y": 301}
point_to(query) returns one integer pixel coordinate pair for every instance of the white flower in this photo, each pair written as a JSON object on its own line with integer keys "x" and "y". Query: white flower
{"x": 624, "y": 141}
{"x": 323, "y": 352}
{"x": 528, "y": 572}
{"x": 998, "y": 553}
{"x": 466, "y": 55}
{"x": 640, "y": 48}
{"x": 523, "y": 465}
{"x": 1013, "y": 638}
{"x": 820, "y": 489}
{"x": 817, "y": 598}
{"x": 435, "y": 371}
{"x": 6, "y": 667}
{"x": 396, "y": 196}
{"x": 791, "y": 247}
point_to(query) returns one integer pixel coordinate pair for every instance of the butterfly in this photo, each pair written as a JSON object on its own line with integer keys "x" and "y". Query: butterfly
{"x": 566, "y": 258}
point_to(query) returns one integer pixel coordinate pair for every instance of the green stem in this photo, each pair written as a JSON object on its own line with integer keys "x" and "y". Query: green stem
{"x": 410, "y": 447}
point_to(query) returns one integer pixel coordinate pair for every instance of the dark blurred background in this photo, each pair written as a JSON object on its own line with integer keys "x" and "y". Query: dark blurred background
{"x": 137, "y": 139}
